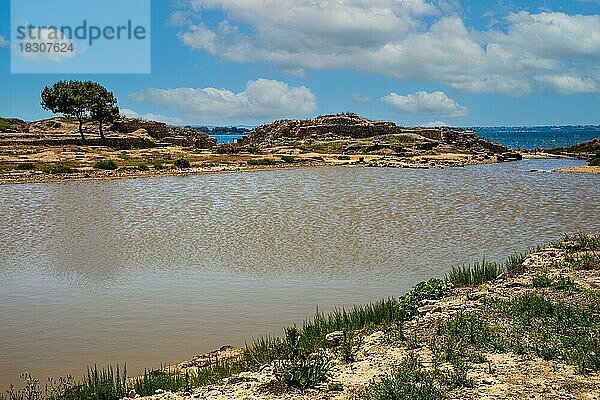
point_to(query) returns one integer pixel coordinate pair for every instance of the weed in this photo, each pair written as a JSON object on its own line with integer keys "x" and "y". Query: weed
{"x": 474, "y": 274}
{"x": 182, "y": 163}
{"x": 143, "y": 166}
{"x": 288, "y": 159}
{"x": 394, "y": 334}
{"x": 304, "y": 371}
{"x": 553, "y": 330}
{"x": 541, "y": 280}
{"x": 579, "y": 242}
{"x": 585, "y": 261}
{"x": 105, "y": 164}
{"x": 58, "y": 169}
{"x": 349, "y": 346}
{"x": 409, "y": 380}
{"x": 458, "y": 376}
{"x": 26, "y": 166}
{"x": 261, "y": 161}
{"x": 160, "y": 164}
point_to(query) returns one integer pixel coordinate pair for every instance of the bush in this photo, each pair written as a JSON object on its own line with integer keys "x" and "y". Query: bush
{"x": 143, "y": 166}
{"x": 105, "y": 164}
{"x": 304, "y": 371}
{"x": 182, "y": 163}
{"x": 261, "y": 161}
{"x": 58, "y": 169}
{"x": 160, "y": 164}
{"x": 409, "y": 380}
{"x": 27, "y": 166}
{"x": 288, "y": 159}
{"x": 595, "y": 160}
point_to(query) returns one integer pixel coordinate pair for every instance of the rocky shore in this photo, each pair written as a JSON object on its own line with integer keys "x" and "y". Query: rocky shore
{"x": 51, "y": 150}
{"x": 505, "y": 338}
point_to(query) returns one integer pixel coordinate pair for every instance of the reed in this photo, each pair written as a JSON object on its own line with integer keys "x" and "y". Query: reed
{"x": 474, "y": 274}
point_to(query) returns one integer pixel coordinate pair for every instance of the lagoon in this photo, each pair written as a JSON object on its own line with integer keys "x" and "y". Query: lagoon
{"x": 148, "y": 271}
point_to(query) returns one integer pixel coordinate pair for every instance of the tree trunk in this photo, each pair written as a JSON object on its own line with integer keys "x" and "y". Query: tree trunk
{"x": 81, "y": 130}
{"x": 101, "y": 130}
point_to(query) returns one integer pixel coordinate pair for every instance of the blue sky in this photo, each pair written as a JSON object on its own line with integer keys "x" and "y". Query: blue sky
{"x": 415, "y": 62}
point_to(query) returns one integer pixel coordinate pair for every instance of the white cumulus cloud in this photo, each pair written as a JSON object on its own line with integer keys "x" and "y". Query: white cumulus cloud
{"x": 129, "y": 113}
{"x": 407, "y": 39}
{"x": 261, "y": 99}
{"x": 424, "y": 103}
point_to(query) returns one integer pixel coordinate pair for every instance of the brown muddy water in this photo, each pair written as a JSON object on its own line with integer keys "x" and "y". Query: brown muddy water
{"x": 149, "y": 271}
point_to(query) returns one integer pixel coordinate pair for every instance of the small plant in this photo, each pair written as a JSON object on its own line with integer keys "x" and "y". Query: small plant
{"x": 261, "y": 161}
{"x": 105, "y": 164}
{"x": 161, "y": 164}
{"x": 143, "y": 166}
{"x": 288, "y": 159}
{"x": 26, "y": 166}
{"x": 564, "y": 283}
{"x": 349, "y": 347}
{"x": 462, "y": 335}
{"x": 304, "y": 372}
{"x": 58, "y": 169}
{"x": 541, "y": 280}
{"x": 458, "y": 375}
{"x": 30, "y": 390}
{"x": 585, "y": 261}
{"x": 394, "y": 334}
{"x": 182, "y": 163}
{"x": 409, "y": 380}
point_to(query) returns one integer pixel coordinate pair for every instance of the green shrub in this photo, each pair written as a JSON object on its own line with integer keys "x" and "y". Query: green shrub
{"x": 563, "y": 283}
{"x": 408, "y": 381}
{"x": 595, "y": 160}
{"x": 288, "y": 159}
{"x": 541, "y": 280}
{"x": 458, "y": 377}
{"x": 304, "y": 372}
{"x": 105, "y": 164}
{"x": 553, "y": 330}
{"x": 26, "y": 166}
{"x": 585, "y": 261}
{"x": 182, "y": 163}
{"x": 143, "y": 166}
{"x": 160, "y": 164}
{"x": 261, "y": 161}
{"x": 58, "y": 169}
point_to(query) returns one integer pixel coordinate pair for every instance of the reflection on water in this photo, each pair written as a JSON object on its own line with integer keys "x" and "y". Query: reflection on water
{"x": 155, "y": 270}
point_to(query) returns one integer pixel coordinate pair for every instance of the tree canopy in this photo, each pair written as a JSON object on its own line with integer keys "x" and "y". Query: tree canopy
{"x": 81, "y": 100}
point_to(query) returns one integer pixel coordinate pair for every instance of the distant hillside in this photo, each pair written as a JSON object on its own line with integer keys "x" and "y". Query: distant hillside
{"x": 351, "y": 134}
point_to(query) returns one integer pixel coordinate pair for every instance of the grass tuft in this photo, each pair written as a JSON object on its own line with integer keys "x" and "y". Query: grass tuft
{"x": 105, "y": 164}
